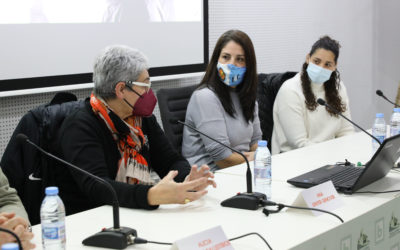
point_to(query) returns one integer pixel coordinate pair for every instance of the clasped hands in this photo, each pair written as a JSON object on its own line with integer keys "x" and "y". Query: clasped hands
{"x": 17, "y": 225}
{"x": 167, "y": 191}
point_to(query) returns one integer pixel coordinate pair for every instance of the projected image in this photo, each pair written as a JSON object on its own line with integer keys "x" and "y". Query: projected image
{"x": 65, "y": 36}
{"x": 98, "y": 11}
{"x": 174, "y": 10}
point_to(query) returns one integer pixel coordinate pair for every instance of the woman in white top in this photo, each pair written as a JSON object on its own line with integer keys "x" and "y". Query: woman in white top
{"x": 298, "y": 119}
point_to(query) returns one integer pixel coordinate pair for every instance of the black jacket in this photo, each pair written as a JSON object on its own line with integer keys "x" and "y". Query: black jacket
{"x": 86, "y": 142}
{"x": 21, "y": 161}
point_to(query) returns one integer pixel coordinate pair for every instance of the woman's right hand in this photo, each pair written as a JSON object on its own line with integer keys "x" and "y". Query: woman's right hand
{"x": 167, "y": 191}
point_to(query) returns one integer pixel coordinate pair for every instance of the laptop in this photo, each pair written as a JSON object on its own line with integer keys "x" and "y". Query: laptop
{"x": 348, "y": 179}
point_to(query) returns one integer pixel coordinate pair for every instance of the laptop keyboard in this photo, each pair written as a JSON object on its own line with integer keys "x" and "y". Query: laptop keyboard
{"x": 346, "y": 177}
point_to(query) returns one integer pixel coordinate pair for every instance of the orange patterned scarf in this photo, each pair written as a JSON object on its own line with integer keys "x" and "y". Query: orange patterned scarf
{"x": 132, "y": 167}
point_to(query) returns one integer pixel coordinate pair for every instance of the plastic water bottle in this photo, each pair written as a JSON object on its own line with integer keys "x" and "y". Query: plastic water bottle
{"x": 52, "y": 215}
{"x": 378, "y": 130}
{"x": 395, "y": 122}
{"x": 10, "y": 246}
{"x": 262, "y": 169}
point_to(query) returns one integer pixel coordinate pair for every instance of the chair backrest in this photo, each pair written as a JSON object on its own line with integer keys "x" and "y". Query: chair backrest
{"x": 27, "y": 170}
{"x": 268, "y": 87}
{"x": 173, "y": 103}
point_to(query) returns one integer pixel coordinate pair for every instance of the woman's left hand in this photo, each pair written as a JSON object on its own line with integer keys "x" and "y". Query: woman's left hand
{"x": 203, "y": 171}
{"x": 249, "y": 155}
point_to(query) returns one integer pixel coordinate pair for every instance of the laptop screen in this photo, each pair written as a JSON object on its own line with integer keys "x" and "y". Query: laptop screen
{"x": 381, "y": 163}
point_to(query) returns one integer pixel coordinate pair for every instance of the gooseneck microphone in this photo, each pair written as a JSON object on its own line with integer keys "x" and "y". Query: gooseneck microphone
{"x": 249, "y": 200}
{"x": 380, "y": 93}
{"x": 116, "y": 237}
{"x": 323, "y": 103}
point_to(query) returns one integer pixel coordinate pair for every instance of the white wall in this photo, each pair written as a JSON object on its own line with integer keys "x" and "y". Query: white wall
{"x": 386, "y": 61}
{"x": 283, "y": 32}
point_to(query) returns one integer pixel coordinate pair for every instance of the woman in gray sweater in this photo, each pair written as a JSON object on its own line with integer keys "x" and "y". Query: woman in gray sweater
{"x": 224, "y": 106}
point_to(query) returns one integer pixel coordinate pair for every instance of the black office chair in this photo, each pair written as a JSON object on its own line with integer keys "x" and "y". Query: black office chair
{"x": 172, "y": 103}
{"x": 268, "y": 87}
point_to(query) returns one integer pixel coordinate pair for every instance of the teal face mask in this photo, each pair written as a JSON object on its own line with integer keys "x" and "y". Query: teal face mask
{"x": 318, "y": 74}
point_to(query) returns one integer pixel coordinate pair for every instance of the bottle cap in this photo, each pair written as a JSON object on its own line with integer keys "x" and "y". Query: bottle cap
{"x": 51, "y": 190}
{"x": 396, "y": 110}
{"x": 10, "y": 246}
{"x": 262, "y": 143}
{"x": 379, "y": 115}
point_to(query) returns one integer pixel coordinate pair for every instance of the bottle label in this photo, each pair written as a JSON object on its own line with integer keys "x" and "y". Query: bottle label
{"x": 381, "y": 138}
{"x": 53, "y": 232}
{"x": 260, "y": 173}
{"x": 262, "y": 168}
{"x": 394, "y": 131}
{"x": 261, "y": 163}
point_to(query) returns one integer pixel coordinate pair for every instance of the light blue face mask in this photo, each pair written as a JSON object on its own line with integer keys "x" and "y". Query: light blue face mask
{"x": 230, "y": 74}
{"x": 318, "y": 74}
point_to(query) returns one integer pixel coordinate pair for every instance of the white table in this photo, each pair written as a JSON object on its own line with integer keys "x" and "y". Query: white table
{"x": 288, "y": 229}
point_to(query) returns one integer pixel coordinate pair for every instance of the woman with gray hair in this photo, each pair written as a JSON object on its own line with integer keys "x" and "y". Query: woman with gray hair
{"x": 116, "y": 137}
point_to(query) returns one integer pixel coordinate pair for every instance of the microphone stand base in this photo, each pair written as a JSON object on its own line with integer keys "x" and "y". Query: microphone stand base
{"x": 112, "y": 238}
{"x": 249, "y": 201}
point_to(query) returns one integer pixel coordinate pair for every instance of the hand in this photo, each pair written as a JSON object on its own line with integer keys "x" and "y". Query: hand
{"x": 17, "y": 225}
{"x": 249, "y": 155}
{"x": 167, "y": 191}
{"x": 5, "y": 217}
{"x": 196, "y": 173}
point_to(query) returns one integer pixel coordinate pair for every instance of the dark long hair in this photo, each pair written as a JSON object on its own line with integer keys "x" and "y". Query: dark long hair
{"x": 247, "y": 90}
{"x": 331, "y": 86}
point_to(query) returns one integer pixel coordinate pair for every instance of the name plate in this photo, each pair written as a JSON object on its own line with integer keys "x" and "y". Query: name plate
{"x": 213, "y": 238}
{"x": 323, "y": 196}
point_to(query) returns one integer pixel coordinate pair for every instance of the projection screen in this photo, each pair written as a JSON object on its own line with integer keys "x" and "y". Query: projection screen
{"x": 46, "y": 43}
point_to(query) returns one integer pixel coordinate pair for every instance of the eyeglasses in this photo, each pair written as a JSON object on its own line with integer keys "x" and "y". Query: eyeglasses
{"x": 129, "y": 84}
{"x": 141, "y": 84}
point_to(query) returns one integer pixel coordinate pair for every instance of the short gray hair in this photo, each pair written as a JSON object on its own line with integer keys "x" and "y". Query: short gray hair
{"x": 116, "y": 63}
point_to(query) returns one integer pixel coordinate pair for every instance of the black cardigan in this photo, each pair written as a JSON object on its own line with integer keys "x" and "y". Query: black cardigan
{"x": 86, "y": 142}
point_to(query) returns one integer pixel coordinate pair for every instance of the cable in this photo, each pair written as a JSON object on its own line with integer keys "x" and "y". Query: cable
{"x": 138, "y": 240}
{"x": 254, "y": 233}
{"x": 13, "y": 234}
{"x": 315, "y": 209}
{"x": 159, "y": 243}
{"x": 377, "y": 192}
{"x": 280, "y": 206}
{"x": 345, "y": 163}
{"x": 268, "y": 203}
